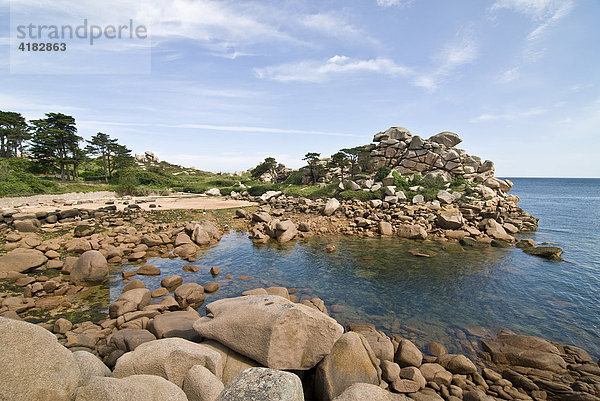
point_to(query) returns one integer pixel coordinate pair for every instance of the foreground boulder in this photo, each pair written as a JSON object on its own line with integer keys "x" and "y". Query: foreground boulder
{"x": 331, "y": 206}
{"x": 138, "y": 387}
{"x": 262, "y": 384}
{"x": 170, "y": 358}
{"x": 204, "y": 233}
{"x": 200, "y": 384}
{"x": 371, "y": 392}
{"x": 90, "y": 269}
{"x": 175, "y": 324}
{"x": 526, "y": 351}
{"x": 233, "y": 363}
{"x": 351, "y": 361}
{"x": 21, "y": 260}
{"x": 34, "y": 365}
{"x": 271, "y": 330}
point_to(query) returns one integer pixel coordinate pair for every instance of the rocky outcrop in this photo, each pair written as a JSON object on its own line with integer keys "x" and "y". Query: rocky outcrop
{"x": 270, "y": 330}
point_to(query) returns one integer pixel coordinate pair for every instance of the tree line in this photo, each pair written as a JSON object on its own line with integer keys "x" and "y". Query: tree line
{"x": 54, "y": 147}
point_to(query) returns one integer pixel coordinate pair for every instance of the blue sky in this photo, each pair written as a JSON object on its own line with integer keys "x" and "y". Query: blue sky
{"x": 220, "y": 85}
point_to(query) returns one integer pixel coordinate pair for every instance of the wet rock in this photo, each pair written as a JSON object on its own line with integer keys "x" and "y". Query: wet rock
{"x": 148, "y": 270}
{"x": 189, "y": 294}
{"x": 171, "y": 281}
{"x": 495, "y": 230}
{"x": 190, "y": 268}
{"x": 205, "y": 233}
{"x": 91, "y": 268}
{"x": 436, "y": 348}
{"x": 254, "y": 326}
{"x": 170, "y": 358}
{"x": 285, "y": 231}
{"x": 547, "y": 252}
{"x": 385, "y": 228}
{"x": 262, "y": 384}
{"x": 351, "y": 361}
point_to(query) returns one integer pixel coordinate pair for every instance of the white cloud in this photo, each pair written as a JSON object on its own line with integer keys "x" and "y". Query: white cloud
{"x": 509, "y": 75}
{"x": 452, "y": 56}
{"x": 390, "y": 3}
{"x": 226, "y": 128}
{"x": 509, "y": 116}
{"x": 317, "y": 71}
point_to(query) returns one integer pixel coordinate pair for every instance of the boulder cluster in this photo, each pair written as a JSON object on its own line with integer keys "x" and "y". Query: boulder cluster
{"x": 264, "y": 347}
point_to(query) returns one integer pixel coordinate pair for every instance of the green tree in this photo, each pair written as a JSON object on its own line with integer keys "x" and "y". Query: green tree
{"x": 99, "y": 146}
{"x": 14, "y": 131}
{"x": 340, "y": 160}
{"x": 268, "y": 166}
{"x": 55, "y": 141}
{"x": 119, "y": 158}
{"x": 314, "y": 164}
{"x": 353, "y": 154}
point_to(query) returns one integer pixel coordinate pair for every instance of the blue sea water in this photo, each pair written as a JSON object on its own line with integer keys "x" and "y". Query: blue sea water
{"x": 452, "y": 297}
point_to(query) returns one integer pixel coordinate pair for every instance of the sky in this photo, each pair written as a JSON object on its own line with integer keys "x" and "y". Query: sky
{"x": 221, "y": 85}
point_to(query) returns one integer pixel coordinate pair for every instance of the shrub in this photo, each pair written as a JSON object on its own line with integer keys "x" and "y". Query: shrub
{"x": 295, "y": 178}
{"x": 258, "y": 190}
{"x": 382, "y": 172}
{"x": 359, "y": 195}
{"x": 127, "y": 184}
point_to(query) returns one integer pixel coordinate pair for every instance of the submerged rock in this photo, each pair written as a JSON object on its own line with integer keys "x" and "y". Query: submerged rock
{"x": 547, "y": 252}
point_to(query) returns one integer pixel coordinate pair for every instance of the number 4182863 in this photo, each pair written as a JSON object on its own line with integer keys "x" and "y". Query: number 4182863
{"x": 43, "y": 47}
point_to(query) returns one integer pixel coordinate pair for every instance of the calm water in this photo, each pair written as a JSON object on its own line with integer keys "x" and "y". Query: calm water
{"x": 452, "y": 297}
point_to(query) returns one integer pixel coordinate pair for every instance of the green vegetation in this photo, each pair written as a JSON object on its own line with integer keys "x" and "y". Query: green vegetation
{"x": 382, "y": 172}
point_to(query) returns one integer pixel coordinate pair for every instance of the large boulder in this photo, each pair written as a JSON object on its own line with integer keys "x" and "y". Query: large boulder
{"x": 262, "y": 384}
{"x": 90, "y": 269}
{"x": 285, "y": 231}
{"x": 458, "y": 364}
{"x": 271, "y": 330}
{"x": 138, "y": 387}
{"x": 233, "y": 363}
{"x": 90, "y": 366}
{"x": 34, "y": 365}
{"x": 408, "y": 354}
{"x": 175, "y": 324}
{"x": 170, "y": 358}
{"x": 331, "y": 206}
{"x": 189, "y": 294}
{"x": 450, "y": 219}
{"x": 21, "y": 260}
{"x": 371, "y": 392}
{"x": 447, "y": 138}
{"x": 200, "y": 384}
{"x": 27, "y": 226}
{"x": 411, "y": 231}
{"x": 129, "y": 339}
{"x": 496, "y": 230}
{"x": 526, "y": 351}
{"x": 351, "y": 361}
{"x": 204, "y": 233}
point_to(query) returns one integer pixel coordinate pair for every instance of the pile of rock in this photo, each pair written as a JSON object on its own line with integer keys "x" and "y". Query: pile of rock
{"x": 266, "y": 347}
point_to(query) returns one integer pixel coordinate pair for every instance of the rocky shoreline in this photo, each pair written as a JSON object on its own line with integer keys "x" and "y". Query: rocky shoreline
{"x": 153, "y": 342}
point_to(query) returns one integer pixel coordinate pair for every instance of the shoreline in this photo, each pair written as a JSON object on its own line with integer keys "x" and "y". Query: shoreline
{"x": 149, "y": 235}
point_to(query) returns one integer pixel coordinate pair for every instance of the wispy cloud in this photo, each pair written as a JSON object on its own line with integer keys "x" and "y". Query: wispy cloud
{"x": 210, "y": 127}
{"x": 509, "y": 116}
{"x": 462, "y": 51}
{"x": 544, "y": 13}
{"x": 390, "y": 3}
{"x": 318, "y": 71}
{"x": 509, "y": 75}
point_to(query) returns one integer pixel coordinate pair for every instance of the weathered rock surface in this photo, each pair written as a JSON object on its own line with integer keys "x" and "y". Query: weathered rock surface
{"x": 271, "y": 330}
{"x": 351, "y": 361}
{"x": 137, "y": 387}
{"x": 90, "y": 269}
{"x": 175, "y": 324}
{"x": 200, "y": 384}
{"x": 233, "y": 363}
{"x": 34, "y": 365}
{"x": 90, "y": 366}
{"x": 21, "y": 260}
{"x": 262, "y": 384}
{"x": 371, "y": 392}
{"x": 170, "y": 358}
